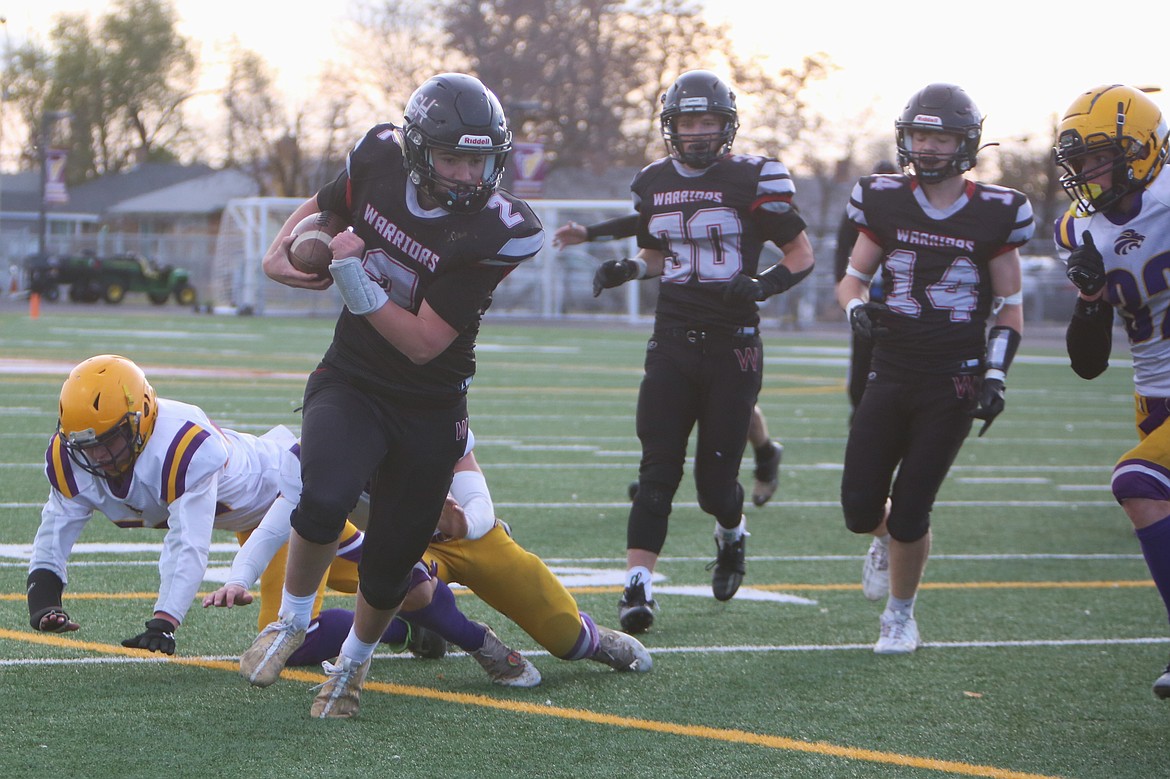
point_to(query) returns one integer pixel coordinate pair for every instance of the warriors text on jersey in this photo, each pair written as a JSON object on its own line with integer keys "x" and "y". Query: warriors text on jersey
{"x": 935, "y": 267}
{"x": 190, "y": 477}
{"x": 1135, "y": 248}
{"x": 712, "y": 224}
{"x": 453, "y": 261}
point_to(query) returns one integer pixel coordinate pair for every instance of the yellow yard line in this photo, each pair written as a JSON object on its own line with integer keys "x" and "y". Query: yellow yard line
{"x": 727, "y": 735}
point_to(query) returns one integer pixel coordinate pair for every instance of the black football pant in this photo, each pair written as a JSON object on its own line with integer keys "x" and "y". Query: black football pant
{"x": 913, "y": 425}
{"x": 693, "y": 378}
{"x": 350, "y": 437}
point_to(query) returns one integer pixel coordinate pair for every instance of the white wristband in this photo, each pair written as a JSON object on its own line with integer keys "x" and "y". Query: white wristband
{"x": 361, "y": 295}
{"x": 855, "y": 273}
{"x": 995, "y": 373}
{"x": 852, "y": 304}
{"x": 639, "y": 266}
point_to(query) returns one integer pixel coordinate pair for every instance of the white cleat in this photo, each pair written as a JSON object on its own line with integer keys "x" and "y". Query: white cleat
{"x": 899, "y": 634}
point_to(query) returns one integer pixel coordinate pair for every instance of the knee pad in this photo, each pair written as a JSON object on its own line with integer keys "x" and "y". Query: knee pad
{"x": 861, "y": 515}
{"x": 724, "y": 502}
{"x": 381, "y": 594}
{"x": 319, "y": 521}
{"x": 907, "y": 529}
{"x": 649, "y": 516}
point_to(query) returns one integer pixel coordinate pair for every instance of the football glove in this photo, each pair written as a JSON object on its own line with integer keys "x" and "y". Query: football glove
{"x": 1086, "y": 268}
{"x": 53, "y": 620}
{"x": 744, "y": 289}
{"x": 866, "y": 320}
{"x": 159, "y": 636}
{"x": 991, "y": 402}
{"x": 613, "y": 273}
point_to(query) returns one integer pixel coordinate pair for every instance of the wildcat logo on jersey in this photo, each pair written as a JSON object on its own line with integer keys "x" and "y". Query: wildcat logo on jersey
{"x": 1128, "y": 241}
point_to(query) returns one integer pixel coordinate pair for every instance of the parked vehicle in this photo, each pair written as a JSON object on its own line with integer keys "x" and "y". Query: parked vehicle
{"x": 91, "y": 278}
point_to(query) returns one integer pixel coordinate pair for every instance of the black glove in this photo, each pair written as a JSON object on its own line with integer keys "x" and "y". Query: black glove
{"x": 744, "y": 289}
{"x": 613, "y": 273}
{"x": 1086, "y": 269}
{"x": 159, "y": 636}
{"x": 52, "y": 620}
{"x": 866, "y": 320}
{"x": 990, "y": 403}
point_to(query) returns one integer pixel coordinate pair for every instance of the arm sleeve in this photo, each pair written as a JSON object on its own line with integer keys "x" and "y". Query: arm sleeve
{"x": 470, "y": 490}
{"x": 620, "y": 227}
{"x": 61, "y": 524}
{"x": 185, "y": 547}
{"x": 262, "y": 545}
{"x": 1089, "y": 338}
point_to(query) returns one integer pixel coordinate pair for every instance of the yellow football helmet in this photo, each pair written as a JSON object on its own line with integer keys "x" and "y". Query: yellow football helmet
{"x": 1117, "y": 119}
{"x": 107, "y": 414}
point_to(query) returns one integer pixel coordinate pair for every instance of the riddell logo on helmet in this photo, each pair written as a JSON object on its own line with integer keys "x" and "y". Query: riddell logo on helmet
{"x": 476, "y": 141}
{"x": 927, "y": 119}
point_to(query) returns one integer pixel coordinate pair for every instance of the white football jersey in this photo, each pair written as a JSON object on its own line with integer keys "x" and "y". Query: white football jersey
{"x": 190, "y": 478}
{"x": 1136, "y": 252}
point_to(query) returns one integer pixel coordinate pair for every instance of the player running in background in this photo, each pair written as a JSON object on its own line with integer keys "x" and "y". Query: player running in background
{"x": 768, "y": 453}
{"x": 704, "y": 215}
{"x": 948, "y": 250}
{"x": 1112, "y": 145}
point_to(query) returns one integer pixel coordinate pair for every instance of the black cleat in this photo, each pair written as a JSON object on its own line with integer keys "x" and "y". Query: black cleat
{"x": 729, "y": 569}
{"x": 635, "y": 613}
{"x": 425, "y": 643}
{"x": 767, "y": 475}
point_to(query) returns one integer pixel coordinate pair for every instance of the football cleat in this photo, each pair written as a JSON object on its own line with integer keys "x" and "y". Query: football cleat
{"x": 635, "y": 612}
{"x": 503, "y": 664}
{"x": 767, "y": 475}
{"x": 338, "y": 697}
{"x": 899, "y": 634}
{"x": 262, "y": 663}
{"x": 621, "y": 652}
{"x": 729, "y": 568}
{"x": 424, "y": 642}
{"x": 875, "y": 571}
{"x": 1162, "y": 685}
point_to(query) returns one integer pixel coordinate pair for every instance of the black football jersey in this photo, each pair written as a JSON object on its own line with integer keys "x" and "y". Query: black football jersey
{"x": 452, "y": 261}
{"x": 713, "y": 225}
{"x": 935, "y": 267}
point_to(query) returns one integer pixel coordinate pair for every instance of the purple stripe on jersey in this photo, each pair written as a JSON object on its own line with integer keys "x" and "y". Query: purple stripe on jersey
{"x": 1140, "y": 479}
{"x": 178, "y": 459}
{"x": 351, "y": 548}
{"x": 59, "y": 469}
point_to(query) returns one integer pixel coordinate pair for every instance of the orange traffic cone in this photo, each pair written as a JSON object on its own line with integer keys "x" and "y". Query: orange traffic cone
{"x": 34, "y": 306}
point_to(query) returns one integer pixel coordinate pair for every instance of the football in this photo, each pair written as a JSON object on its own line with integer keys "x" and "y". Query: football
{"x": 310, "y": 252}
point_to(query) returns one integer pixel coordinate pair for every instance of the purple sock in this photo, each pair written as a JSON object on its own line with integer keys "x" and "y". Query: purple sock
{"x": 324, "y": 637}
{"x": 444, "y": 617}
{"x": 396, "y": 634}
{"x": 1155, "y": 541}
{"x": 587, "y": 640}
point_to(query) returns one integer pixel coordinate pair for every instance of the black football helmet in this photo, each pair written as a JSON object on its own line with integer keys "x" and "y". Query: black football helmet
{"x": 698, "y": 92}
{"x": 455, "y": 112}
{"x": 940, "y": 108}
